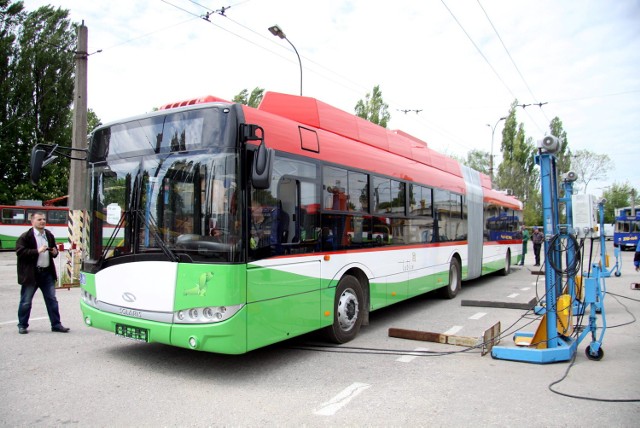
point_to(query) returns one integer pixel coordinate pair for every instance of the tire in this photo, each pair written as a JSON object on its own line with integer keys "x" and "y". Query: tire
{"x": 455, "y": 280}
{"x": 507, "y": 264}
{"x": 594, "y": 357}
{"x": 348, "y": 311}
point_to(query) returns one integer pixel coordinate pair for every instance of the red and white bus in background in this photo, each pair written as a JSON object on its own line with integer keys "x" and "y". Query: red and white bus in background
{"x": 16, "y": 219}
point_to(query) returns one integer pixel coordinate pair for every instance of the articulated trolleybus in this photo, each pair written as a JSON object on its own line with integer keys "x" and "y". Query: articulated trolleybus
{"x": 241, "y": 227}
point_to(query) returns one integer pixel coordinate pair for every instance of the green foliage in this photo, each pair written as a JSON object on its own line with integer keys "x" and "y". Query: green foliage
{"x": 252, "y": 100}
{"x": 517, "y": 171}
{"x": 617, "y": 196}
{"x": 563, "y": 156}
{"x": 373, "y": 108}
{"x": 478, "y": 160}
{"x": 533, "y": 210}
{"x": 37, "y": 94}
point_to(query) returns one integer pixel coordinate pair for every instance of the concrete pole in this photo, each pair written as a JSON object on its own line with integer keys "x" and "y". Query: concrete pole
{"x": 78, "y": 201}
{"x": 78, "y": 173}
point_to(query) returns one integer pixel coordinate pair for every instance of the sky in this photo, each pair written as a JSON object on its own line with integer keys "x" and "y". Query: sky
{"x": 461, "y": 63}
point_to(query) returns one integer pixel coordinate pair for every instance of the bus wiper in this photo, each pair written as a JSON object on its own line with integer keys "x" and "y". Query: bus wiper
{"x": 153, "y": 227}
{"x": 111, "y": 240}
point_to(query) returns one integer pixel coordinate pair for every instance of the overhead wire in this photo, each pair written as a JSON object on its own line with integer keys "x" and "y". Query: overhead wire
{"x": 537, "y": 102}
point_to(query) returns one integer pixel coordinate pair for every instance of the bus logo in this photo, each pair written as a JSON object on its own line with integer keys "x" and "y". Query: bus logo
{"x": 128, "y": 297}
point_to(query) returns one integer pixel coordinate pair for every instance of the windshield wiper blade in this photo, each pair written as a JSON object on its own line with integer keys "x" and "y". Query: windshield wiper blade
{"x": 111, "y": 240}
{"x": 149, "y": 221}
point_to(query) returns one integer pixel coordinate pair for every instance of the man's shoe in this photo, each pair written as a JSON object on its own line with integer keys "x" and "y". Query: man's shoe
{"x": 23, "y": 330}
{"x": 60, "y": 329}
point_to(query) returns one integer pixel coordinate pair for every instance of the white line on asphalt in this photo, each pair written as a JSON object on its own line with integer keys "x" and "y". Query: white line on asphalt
{"x": 477, "y": 316}
{"x": 525, "y": 288}
{"x": 410, "y": 357}
{"x": 513, "y": 296}
{"x": 15, "y": 321}
{"x": 342, "y": 399}
{"x": 453, "y": 330}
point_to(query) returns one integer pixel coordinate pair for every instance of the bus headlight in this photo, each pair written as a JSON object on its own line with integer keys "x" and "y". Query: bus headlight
{"x": 89, "y": 298}
{"x": 208, "y": 314}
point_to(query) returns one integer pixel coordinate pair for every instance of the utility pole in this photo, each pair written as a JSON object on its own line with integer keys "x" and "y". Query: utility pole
{"x": 78, "y": 174}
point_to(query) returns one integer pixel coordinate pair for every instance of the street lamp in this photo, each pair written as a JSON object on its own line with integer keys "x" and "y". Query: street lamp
{"x": 491, "y": 155}
{"x": 277, "y": 31}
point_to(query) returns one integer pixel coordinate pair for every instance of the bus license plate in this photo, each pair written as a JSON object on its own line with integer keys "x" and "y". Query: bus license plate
{"x": 134, "y": 333}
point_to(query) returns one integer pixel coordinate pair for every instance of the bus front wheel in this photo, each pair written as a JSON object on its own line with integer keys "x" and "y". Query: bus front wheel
{"x": 347, "y": 311}
{"x": 455, "y": 280}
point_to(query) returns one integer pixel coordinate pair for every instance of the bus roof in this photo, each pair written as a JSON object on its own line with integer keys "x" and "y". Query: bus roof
{"x": 405, "y": 151}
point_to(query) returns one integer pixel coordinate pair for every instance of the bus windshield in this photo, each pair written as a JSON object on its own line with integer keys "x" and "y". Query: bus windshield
{"x": 165, "y": 203}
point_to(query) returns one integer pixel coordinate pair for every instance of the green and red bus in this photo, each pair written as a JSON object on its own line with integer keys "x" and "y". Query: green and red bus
{"x": 241, "y": 227}
{"x": 16, "y": 219}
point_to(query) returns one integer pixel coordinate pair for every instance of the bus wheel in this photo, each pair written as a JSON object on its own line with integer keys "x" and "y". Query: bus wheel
{"x": 347, "y": 311}
{"x": 507, "y": 264}
{"x": 455, "y": 280}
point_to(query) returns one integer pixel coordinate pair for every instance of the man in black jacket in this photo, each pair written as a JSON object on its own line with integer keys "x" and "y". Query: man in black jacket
{"x": 36, "y": 249}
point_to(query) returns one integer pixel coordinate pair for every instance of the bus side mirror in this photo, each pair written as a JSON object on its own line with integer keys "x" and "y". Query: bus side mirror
{"x": 41, "y": 158}
{"x": 262, "y": 166}
{"x": 37, "y": 158}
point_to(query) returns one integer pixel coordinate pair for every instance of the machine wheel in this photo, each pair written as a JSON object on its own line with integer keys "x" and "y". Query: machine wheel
{"x": 347, "y": 311}
{"x": 507, "y": 264}
{"x": 594, "y": 357}
{"x": 455, "y": 280}
{"x": 618, "y": 273}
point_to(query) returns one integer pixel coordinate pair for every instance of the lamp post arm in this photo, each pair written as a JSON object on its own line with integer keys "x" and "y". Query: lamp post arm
{"x": 299, "y": 62}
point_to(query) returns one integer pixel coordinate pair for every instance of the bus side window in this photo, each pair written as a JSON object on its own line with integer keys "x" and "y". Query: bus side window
{"x": 12, "y": 216}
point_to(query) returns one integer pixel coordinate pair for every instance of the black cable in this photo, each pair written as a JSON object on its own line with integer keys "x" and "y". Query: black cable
{"x": 580, "y": 397}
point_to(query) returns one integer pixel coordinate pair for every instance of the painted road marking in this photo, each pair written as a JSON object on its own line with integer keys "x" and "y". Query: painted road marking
{"x": 453, "y": 330}
{"x": 30, "y": 319}
{"x": 526, "y": 289}
{"x": 342, "y": 399}
{"x": 477, "y": 316}
{"x": 513, "y": 296}
{"x": 410, "y": 357}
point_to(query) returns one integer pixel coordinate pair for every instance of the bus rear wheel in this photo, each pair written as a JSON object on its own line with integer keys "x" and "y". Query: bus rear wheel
{"x": 507, "y": 264}
{"x": 347, "y": 311}
{"x": 455, "y": 280}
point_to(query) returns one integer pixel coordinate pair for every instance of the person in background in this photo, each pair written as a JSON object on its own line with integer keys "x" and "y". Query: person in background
{"x": 537, "y": 238}
{"x": 36, "y": 249}
{"x": 525, "y": 241}
{"x": 636, "y": 257}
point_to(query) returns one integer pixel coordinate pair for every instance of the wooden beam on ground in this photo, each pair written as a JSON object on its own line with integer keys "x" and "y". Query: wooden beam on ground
{"x": 489, "y": 338}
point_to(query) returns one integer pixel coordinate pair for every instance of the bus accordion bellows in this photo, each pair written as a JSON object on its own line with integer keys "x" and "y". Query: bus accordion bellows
{"x": 242, "y": 227}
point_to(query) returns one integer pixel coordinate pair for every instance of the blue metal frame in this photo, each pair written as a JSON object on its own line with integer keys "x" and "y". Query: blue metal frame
{"x": 558, "y": 346}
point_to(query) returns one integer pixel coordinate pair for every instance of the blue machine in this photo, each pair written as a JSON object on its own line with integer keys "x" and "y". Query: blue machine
{"x": 555, "y": 339}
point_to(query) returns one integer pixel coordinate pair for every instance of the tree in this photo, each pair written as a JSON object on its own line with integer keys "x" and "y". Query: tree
{"x": 563, "y": 156}
{"x": 373, "y": 108}
{"x": 590, "y": 167}
{"x": 517, "y": 171}
{"x": 616, "y": 196}
{"x": 36, "y": 105}
{"x": 252, "y": 100}
{"x": 478, "y": 160}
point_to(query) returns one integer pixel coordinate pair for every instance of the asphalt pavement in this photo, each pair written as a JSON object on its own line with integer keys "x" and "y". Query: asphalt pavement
{"x": 89, "y": 377}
